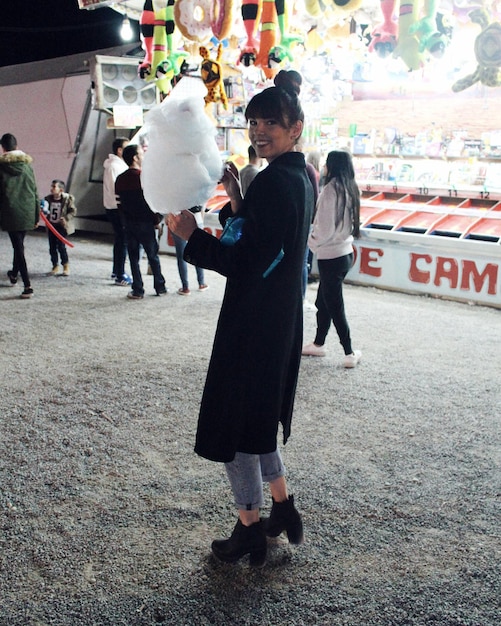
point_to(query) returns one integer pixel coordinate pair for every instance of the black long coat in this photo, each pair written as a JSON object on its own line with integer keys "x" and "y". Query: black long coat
{"x": 253, "y": 370}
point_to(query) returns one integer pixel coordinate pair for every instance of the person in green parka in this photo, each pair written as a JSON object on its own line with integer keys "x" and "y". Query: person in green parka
{"x": 253, "y": 370}
{"x": 19, "y": 205}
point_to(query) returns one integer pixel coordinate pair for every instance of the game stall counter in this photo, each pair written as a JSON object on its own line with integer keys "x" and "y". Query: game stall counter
{"x": 444, "y": 243}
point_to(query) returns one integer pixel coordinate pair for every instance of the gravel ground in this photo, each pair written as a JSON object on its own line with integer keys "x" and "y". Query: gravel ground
{"x": 107, "y": 514}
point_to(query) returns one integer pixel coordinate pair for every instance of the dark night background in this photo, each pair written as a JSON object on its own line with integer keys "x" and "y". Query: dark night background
{"x": 34, "y": 30}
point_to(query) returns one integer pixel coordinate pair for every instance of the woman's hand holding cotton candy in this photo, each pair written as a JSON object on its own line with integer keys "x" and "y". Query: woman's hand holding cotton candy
{"x": 182, "y": 224}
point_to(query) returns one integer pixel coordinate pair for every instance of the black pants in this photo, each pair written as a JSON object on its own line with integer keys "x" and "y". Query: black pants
{"x": 330, "y": 303}
{"x": 119, "y": 244}
{"x": 19, "y": 261}
{"x": 56, "y": 247}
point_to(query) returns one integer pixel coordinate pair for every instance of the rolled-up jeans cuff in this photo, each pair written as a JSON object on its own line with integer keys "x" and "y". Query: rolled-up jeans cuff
{"x": 246, "y": 474}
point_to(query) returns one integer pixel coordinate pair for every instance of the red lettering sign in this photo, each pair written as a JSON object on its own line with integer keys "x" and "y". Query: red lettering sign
{"x": 416, "y": 274}
{"x": 368, "y": 259}
{"x": 446, "y": 268}
{"x": 470, "y": 272}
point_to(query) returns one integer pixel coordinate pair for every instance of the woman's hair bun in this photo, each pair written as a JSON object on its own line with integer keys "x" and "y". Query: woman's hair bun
{"x": 289, "y": 80}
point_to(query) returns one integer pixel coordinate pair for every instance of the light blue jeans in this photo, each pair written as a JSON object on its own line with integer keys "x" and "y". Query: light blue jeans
{"x": 182, "y": 266}
{"x": 248, "y": 472}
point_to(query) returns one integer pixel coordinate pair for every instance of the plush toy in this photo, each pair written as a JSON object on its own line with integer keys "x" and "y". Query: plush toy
{"x": 268, "y": 37}
{"x": 282, "y": 51}
{"x": 222, "y": 18}
{"x": 384, "y": 36}
{"x": 211, "y": 71}
{"x": 426, "y": 29}
{"x": 408, "y": 44}
{"x": 331, "y": 10}
{"x": 161, "y": 63}
{"x": 182, "y": 165}
{"x": 251, "y": 14}
{"x": 194, "y": 18}
{"x": 487, "y": 49}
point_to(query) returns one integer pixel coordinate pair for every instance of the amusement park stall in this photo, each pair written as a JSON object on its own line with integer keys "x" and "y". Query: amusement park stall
{"x": 412, "y": 90}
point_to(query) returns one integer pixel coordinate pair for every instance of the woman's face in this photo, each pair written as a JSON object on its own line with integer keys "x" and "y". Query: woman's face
{"x": 269, "y": 139}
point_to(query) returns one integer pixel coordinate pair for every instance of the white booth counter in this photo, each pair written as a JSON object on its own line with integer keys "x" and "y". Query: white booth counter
{"x": 442, "y": 242}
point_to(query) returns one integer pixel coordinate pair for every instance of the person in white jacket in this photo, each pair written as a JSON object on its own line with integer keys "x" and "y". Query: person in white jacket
{"x": 336, "y": 223}
{"x": 113, "y": 166}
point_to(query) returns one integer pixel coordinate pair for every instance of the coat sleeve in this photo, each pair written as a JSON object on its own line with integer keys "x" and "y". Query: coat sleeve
{"x": 323, "y": 229}
{"x": 264, "y": 210}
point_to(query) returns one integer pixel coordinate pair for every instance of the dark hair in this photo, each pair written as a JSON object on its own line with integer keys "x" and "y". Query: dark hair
{"x": 252, "y": 153}
{"x": 340, "y": 169}
{"x": 8, "y": 142}
{"x": 59, "y": 183}
{"x": 129, "y": 153}
{"x": 118, "y": 143}
{"x": 281, "y": 102}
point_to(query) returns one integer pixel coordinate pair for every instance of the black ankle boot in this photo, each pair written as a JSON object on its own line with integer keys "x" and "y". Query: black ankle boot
{"x": 284, "y": 516}
{"x": 244, "y": 540}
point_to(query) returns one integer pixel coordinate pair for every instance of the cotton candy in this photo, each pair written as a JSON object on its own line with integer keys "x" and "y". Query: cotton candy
{"x": 182, "y": 164}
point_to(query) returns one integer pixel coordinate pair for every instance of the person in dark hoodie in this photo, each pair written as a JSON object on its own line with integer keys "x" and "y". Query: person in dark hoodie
{"x": 19, "y": 205}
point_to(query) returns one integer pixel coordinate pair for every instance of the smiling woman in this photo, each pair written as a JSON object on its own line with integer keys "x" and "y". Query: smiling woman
{"x": 35, "y": 31}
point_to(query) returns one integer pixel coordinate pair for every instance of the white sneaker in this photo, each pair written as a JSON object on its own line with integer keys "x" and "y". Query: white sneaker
{"x": 350, "y": 360}
{"x": 313, "y": 350}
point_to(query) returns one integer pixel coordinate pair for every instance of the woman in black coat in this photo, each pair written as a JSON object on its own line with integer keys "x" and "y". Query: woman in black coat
{"x": 252, "y": 376}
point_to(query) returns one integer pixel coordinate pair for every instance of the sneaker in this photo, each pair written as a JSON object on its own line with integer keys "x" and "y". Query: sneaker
{"x": 124, "y": 281}
{"x": 54, "y": 271}
{"x": 350, "y": 360}
{"x": 27, "y": 293}
{"x": 66, "y": 269}
{"x": 202, "y": 287}
{"x": 113, "y": 276}
{"x": 12, "y": 277}
{"x": 134, "y": 296}
{"x": 164, "y": 292}
{"x": 184, "y": 291}
{"x": 313, "y": 350}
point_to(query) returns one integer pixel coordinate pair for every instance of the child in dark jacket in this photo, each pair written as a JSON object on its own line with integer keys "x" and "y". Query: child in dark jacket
{"x": 60, "y": 209}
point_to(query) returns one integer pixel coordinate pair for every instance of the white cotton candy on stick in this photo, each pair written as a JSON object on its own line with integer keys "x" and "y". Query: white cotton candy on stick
{"x": 182, "y": 165}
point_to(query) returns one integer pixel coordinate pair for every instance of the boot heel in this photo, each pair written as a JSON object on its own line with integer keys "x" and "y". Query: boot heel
{"x": 295, "y": 533}
{"x": 257, "y": 558}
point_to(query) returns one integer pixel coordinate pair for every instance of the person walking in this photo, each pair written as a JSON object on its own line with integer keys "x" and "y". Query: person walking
{"x": 19, "y": 205}
{"x": 252, "y": 376}
{"x": 336, "y": 223}
{"x": 113, "y": 166}
{"x": 140, "y": 222}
